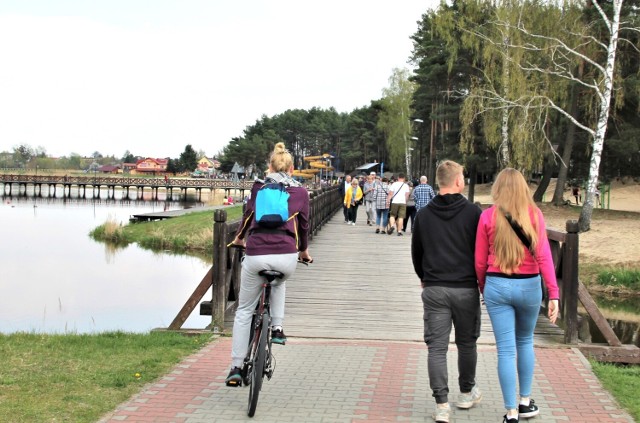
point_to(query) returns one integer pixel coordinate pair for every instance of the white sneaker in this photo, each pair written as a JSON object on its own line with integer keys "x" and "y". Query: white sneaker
{"x": 469, "y": 399}
{"x": 441, "y": 414}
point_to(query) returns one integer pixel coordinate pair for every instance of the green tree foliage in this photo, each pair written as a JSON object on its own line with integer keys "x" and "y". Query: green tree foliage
{"x": 395, "y": 117}
{"x": 128, "y": 157}
{"x": 22, "y": 154}
{"x": 443, "y": 77}
{"x": 188, "y": 159}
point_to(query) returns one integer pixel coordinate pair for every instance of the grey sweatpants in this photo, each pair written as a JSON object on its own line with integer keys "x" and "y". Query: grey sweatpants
{"x": 250, "y": 290}
{"x": 442, "y": 307}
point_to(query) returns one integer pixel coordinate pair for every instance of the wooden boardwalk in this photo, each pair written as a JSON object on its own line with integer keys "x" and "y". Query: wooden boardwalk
{"x": 362, "y": 286}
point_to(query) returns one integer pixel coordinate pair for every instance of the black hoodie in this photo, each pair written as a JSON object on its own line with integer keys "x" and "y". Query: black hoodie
{"x": 443, "y": 241}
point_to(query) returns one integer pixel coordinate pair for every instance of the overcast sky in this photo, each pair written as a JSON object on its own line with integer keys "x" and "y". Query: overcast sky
{"x": 151, "y": 76}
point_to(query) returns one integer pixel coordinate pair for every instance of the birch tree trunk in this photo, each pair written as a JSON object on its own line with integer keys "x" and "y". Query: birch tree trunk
{"x": 584, "y": 222}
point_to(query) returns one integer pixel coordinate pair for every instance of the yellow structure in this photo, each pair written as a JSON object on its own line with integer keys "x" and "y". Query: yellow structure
{"x": 318, "y": 164}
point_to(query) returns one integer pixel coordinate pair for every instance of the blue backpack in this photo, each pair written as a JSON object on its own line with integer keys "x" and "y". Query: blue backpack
{"x": 272, "y": 205}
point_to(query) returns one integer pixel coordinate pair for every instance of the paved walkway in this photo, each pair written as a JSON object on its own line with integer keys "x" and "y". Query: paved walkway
{"x": 369, "y": 381}
{"x": 341, "y": 365}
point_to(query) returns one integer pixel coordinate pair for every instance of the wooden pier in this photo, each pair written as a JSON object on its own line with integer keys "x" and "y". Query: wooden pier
{"x": 47, "y": 185}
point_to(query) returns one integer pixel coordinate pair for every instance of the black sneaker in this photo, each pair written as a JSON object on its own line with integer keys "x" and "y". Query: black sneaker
{"x": 278, "y": 337}
{"x": 530, "y": 410}
{"x": 510, "y": 420}
{"x": 390, "y": 230}
{"x": 235, "y": 377}
{"x": 400, "y": 234}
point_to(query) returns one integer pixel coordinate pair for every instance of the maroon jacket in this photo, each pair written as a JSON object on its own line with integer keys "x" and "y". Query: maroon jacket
{"x": 292, "y": 237}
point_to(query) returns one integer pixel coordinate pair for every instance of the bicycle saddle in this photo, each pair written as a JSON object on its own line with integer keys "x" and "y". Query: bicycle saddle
{"x": 271, "y": 275}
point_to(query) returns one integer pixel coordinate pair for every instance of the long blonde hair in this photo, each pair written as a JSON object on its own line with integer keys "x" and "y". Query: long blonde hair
{"x": 281, "y": 160}
{"x": 511, "y": 195}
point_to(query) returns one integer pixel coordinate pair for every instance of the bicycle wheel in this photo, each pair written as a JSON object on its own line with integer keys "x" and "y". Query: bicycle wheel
{"x": 258, "y": 366}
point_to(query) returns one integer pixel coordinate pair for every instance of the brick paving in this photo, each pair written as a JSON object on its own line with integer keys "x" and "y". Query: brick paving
{"x": 361, "y": 381}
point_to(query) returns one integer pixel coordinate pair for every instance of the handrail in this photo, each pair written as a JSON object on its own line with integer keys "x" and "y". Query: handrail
{"x": 564, "y": 250}
{"x": 97, "y": 179}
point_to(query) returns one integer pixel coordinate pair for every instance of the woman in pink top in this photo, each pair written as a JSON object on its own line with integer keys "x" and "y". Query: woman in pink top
{"x": 509, "y": 278}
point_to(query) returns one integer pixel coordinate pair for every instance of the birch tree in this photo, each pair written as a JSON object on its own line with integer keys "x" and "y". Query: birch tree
{"x": 556, "y": 56}
{"x": 394, "y": 120}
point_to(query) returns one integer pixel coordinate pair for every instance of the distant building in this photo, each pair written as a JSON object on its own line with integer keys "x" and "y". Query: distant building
{"x": 109, "y": 169}
{"x": 150, "y": 165}
{"x": 207, "y": 165}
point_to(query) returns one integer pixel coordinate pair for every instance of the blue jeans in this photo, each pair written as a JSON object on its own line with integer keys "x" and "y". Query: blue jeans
{"x": 382, "y": 215}
{"x": 513, "y": 306}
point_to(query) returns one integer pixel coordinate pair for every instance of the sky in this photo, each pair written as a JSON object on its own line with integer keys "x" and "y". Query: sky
{"x": 151, "y": 76}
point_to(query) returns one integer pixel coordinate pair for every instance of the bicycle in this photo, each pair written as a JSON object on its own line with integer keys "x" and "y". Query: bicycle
{"x": 259, "y": 361}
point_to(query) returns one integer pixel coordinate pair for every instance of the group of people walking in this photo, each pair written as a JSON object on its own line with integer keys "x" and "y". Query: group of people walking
{"x": 390, "y": 205}
{"x": 462, "y": 254}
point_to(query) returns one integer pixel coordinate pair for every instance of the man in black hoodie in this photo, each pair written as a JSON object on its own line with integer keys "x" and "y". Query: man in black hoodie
{"x": 442, "y": 250}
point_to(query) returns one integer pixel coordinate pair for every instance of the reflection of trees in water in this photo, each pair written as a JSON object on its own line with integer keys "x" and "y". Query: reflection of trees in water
{"x": 623, "y": 315}
{"x": 110, "y": 250}
{"x": 628, "y": 332}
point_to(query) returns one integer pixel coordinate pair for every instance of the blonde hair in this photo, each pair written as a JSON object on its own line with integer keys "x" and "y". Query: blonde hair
{"x": 511, "y": 195}
{"x": 281, "y": 160}
{"x": 447, "y": 173}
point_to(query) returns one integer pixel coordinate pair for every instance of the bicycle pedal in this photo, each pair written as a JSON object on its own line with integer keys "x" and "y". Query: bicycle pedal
{"x": 234, "y": 383}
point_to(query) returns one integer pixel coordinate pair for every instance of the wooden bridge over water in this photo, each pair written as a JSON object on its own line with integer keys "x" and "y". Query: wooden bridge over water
{"x": 362, "y": 286}
{"x": 95, "y": 182}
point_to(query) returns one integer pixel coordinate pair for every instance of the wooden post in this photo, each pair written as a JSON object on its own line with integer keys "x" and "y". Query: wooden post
{"x": 570, "y": 279}
{"x": 218, "y": 301}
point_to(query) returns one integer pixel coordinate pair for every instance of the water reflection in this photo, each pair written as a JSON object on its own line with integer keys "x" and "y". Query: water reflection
{"x": 54, "y": 278}
{"x": 622, "y": 315}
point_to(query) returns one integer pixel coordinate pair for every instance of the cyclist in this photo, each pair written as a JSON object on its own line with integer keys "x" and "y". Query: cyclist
{"x": 268, "y": 249}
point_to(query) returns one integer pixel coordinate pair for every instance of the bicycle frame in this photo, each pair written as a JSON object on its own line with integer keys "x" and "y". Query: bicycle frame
{"x": 259, "y": 359}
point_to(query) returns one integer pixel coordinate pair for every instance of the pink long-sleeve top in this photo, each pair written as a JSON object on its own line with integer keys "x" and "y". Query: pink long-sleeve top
{"x": 542, "y": 263}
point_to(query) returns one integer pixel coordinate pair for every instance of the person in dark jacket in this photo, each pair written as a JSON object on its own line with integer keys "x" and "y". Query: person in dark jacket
{"x": 271, "y": 249}
{"x": 442, "y": 251}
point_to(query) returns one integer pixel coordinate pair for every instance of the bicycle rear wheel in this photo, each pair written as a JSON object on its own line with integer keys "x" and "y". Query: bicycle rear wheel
{"x": 258, "y": 366}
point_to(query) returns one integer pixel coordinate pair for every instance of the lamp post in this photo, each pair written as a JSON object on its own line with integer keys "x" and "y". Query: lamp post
{"x": 420, "y": 148}
{"x": 411, "y": 149}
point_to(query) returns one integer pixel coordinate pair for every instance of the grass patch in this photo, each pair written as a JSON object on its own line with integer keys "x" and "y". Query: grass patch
{"x": 190, "y": 233}
{"x": 623, "y": 382}
{"x": 620, "y": 276}
{"x": 79, "y": 378}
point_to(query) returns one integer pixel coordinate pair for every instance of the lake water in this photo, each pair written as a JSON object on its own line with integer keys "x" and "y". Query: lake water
{"x": 55, "y": 279}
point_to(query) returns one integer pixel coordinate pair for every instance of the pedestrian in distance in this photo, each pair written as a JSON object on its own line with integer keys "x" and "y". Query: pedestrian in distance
{"x": 344, "y": 186}
{"x": 397, "y": 197}
{"x": 411, "y": 209}
{"x": 422, "y": 194}
{"x": 352, "y": 199}
{"x": 268, "y": 249}
{"x": 380, "y": 196}
{"x": 442, "y": 251}
{"x": 512, "y": 251}
{"x": 370, "y": 204}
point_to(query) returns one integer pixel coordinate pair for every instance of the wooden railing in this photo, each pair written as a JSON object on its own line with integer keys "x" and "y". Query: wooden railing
{"x": 564, "y": 249}
{"x": 224, "y": 274}
{"x": 123, "y": 181}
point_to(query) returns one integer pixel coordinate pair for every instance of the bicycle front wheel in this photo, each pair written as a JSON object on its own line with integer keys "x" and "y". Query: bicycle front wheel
{"x": 258, "y": 367}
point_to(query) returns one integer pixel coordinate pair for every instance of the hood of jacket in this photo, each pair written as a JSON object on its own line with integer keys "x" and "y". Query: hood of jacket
{"x": 278, "y": 177}
{"x": 447, "y": 206}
